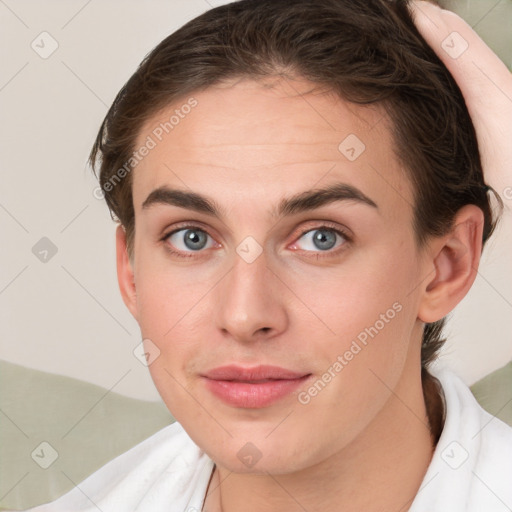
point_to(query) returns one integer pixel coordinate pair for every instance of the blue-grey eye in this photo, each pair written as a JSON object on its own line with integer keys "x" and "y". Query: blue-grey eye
{"x": 322, "y": 239}
{"x": 188, "y": 239}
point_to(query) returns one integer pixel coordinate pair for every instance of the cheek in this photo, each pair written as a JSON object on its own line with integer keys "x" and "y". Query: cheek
{"x": 166, "y": 295}
{"x": 357, "y": 310}
{"x": 359, "y": 364}
{"x": 370, "y": 312}
{"x": 354, "y": 296}
{"x": 174, "y": 313}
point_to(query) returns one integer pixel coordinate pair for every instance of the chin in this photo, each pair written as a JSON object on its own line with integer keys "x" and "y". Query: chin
{"x": 262, "y": 456}
{"x": 271, "y": 464}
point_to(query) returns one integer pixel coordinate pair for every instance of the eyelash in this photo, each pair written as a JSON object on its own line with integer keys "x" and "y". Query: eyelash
{"x": 315, "y": 254}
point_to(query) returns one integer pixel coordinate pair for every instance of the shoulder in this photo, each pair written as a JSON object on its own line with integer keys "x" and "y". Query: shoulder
{"x": 164, "y": 472}
{"x": 471, "y": 468}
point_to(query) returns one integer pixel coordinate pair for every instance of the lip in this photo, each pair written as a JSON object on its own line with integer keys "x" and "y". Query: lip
{"x": 254, "y": 387}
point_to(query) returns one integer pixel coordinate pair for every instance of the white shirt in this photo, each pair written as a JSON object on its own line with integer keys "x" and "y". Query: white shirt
{"x": 471, "y": 469}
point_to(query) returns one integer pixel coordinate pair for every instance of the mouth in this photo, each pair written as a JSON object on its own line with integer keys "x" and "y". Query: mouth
{"x": 255, "y": 387}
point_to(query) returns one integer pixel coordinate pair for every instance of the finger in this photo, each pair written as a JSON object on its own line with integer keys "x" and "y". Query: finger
{"x": 482, "y": 77}
{"x": 484, "y": 81}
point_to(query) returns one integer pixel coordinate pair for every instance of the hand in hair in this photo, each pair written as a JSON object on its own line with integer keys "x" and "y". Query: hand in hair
{"x": 485, "y": 83}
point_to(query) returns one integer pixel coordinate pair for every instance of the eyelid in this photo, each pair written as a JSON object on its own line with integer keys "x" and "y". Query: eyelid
{"x": 324, "y": 224}
{"x": 183, "y": 227}
{"x": 313, "y": 226}
{"x": 327, "y": 226}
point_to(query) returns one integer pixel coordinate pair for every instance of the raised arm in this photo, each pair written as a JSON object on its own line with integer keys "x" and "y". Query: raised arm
{"x": 485, "y": 82}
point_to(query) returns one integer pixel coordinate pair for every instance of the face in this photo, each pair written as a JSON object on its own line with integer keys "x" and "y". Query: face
{"x": 273, "y": 318}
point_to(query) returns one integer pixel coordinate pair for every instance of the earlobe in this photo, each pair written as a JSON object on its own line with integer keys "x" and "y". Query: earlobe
{"x": 455, "y": 258}
{"x": 125, "y": 275}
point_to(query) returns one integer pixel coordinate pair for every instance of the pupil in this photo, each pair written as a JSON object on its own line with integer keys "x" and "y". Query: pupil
{"x": 324, "y": 239}
{"x": 195, "y": 239}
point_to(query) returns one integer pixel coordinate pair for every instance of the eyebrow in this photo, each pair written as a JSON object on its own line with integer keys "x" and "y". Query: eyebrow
{"x": 304, "y": 201}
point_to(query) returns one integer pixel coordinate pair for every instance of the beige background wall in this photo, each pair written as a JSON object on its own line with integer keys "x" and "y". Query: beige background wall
{"x": 65, "y": 315}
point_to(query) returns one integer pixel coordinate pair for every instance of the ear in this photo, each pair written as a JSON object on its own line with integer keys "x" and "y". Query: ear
{"x": 125, "y": 275}
{"x": 454, "y": 260}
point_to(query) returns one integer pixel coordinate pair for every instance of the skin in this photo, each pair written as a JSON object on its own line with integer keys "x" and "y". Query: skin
{"x": 247, "y": 146}
{"x": 486, "y": 84}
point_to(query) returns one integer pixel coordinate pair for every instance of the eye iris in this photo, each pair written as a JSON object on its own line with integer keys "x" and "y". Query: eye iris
{"x": 324, "y": 239}
{"x": 195, "y": 239}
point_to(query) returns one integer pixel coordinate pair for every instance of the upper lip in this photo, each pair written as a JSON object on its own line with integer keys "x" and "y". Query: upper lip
{"x": 255, "y": 373}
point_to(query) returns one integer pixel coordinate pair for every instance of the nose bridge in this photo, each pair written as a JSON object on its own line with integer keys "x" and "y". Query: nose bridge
{"x": 248, "y": 302}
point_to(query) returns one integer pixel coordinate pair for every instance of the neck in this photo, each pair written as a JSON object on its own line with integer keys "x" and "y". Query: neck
{"x": 382, "y": 469}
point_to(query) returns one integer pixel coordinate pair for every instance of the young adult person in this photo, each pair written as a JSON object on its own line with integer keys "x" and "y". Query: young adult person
{"x": 301, "y": 202}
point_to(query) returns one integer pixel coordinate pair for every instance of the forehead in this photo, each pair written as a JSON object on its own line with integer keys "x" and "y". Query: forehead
{"x": 262, "y": 141}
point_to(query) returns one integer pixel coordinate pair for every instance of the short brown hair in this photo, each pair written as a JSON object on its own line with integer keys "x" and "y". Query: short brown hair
{"x": 366, "y": 51}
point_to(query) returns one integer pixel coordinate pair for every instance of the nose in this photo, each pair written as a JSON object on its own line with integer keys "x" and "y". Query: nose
{"x": 250, "y": 301}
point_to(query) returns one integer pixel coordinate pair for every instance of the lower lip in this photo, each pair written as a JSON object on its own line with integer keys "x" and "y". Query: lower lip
{"x": 256, "y": 395}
